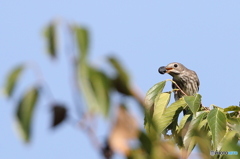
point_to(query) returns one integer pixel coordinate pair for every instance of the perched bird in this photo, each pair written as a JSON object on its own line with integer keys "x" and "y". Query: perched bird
{"x": 185, "y": 78}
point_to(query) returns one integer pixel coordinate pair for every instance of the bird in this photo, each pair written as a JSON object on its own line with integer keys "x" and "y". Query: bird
{"x": 185, "y": 78}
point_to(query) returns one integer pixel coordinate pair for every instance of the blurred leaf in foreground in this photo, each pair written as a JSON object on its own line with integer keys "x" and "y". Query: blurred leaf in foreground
{"x": 82, "y": 38}
{"x": 124, "y": 129}
{"x": 12, "y": 80}
{"x": 59, "y": 114}
{"x": 149, "y": 100}
{"x": 101, "y": 85}
{"x": 153, "y": 92}
{"x": 50, "y": 33}
{"x": 25, "y": 111}
{"x": 121, "y": 80}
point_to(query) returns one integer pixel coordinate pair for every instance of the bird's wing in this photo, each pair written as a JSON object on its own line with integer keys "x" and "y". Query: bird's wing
{"x": 196, "y": 77}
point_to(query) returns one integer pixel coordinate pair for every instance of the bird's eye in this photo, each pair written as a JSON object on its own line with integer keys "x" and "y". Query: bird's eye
{"x": 175, "y": 65}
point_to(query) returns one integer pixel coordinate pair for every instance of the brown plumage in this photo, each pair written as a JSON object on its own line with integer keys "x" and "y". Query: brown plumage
{"x": 185, "y": 78}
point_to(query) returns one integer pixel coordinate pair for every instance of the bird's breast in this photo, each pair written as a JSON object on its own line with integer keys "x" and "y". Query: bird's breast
{"x": 187, "y": 84}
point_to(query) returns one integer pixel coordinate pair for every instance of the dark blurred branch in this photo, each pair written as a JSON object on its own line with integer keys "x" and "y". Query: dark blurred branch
{"x": 138, "y": 96}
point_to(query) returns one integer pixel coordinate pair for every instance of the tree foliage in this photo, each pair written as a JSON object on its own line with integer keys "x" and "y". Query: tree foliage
{"x": 208, "y": 128}
{"x": 166, "y": 135}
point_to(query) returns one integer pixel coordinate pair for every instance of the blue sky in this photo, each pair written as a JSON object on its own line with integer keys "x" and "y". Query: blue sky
{"x": 204, "y": 36}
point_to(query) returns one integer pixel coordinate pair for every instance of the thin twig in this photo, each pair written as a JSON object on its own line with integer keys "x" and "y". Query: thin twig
{"x": 206, "y": 108}
{"x": 184, "y": 92}
{"x": 177, "y": 86}
{"x": 71, "y": 54}
{"x": 40, "y": 80}
{"x": 85, "y": 125}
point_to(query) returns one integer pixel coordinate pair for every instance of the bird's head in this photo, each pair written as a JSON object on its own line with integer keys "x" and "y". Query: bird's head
{"x": 174, "y": 69}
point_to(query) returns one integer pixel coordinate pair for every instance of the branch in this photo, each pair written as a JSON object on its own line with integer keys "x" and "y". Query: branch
{"x": 177, "y": 86}
{"x": 86, "y": 124}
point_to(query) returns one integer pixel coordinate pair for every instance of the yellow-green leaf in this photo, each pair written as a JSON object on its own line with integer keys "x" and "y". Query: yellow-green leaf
{"x": 202, "y": 124}
{"x": 232, "y": 108}
{"x": 230, "y": 144}
{"x": 82, "y": 38}
{"x": 189, "y": 139}
{"x": 170, "y": 115}
{"x": 25, "y": 111}
{"x": 86, "y": 87}
{"x": 193, "y": 102}
{"x": 50, "y": 33}
{"x": 182, "y": 129}
{"x": 12, "y": 79}
{"x": 184, "y": 121}
{"x": 152, "y": 116}
{"x": 101, "y": 86}
{"x": 230, "y": 136}
{"x": 160, "y": 104}
{"x": 153, "y": 92}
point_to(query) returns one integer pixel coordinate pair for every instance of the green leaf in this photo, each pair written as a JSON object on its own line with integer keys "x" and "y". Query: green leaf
{"x": 101, "y": 86}
{"x": 229, "y": 143}
{"x": 203, "y": 143}
{"x": 217, "y": 123}
{"x": 193, "y": 102}
{"x": 82, "y": 41}
{"x": 135, "y": 154}
{"x": 233, "y": 120}
{"x": 86, "y": 87}
{"x": 153, "y": 115}
{"x": 153, "y": 92}
{"x": 146, "y": 143}
{"x": 12, "y": 79}
{"x": 216, "y": 107}
{"x": 25, "y": 111}
{"x": 95, "y": 87}
{"x": 170, "y": 115}
{"x": 59, "y": 114}
{"x": 234, "y": 114}
{"x": 182, "y": 129}
{"x": 119, "y": 68}
{"x": 203, "y": 124}
{"x": 50, "y": 33}
{"x": 233, "y": 151}
{"x": 232, "y": 108}
{"x": 160, "y": 104}
{"x": 183, "y": 122}
{"x": 230, "y": 136}
{"x": 121, "y": 81}
{"x": 121, "y": 86}
{"x": 189, "y": 139}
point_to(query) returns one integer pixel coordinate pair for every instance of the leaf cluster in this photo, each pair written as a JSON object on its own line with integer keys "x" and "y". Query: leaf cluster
{"x": 93, "y": 89}
{"x": 212, "y": 129}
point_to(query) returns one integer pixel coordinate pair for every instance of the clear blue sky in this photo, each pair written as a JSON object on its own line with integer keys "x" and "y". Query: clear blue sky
{"x": 204, "y": 36}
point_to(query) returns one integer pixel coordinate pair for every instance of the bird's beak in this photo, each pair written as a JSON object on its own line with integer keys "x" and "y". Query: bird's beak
{"x": 168, "y": 69}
